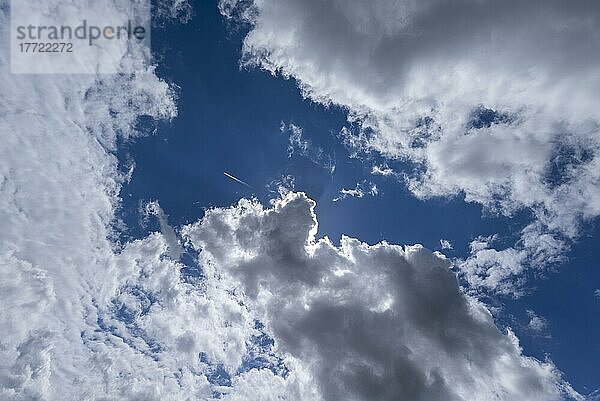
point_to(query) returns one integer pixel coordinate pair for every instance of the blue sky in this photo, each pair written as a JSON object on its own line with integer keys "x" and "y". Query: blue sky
{"x": 229, "y": 120}
{"x": 233, "y": 214}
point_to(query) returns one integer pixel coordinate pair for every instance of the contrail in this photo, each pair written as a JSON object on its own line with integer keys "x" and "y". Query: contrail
{"x": 237, "y": 180}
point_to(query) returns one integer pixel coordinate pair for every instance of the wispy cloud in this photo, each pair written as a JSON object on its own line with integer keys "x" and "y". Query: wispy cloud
{"x": 537, "y": 324}
{"x": 305, "y": 148}
{"x": 359, "y": 191}
{"x": 384, "y": 170}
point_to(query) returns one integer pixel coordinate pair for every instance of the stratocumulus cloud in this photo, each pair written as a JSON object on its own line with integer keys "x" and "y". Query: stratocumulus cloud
{"x": 59, "y": 274}
{"x": 493, "y": 101}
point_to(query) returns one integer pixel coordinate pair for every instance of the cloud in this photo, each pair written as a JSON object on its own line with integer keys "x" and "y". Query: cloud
{"x": 491, "y": 101}
{"x": 283, "y": 185}
{"x": 303, "y": 147}
{"x": 537, "y": 324}
{"x": 359, "y": 191}
{"x": 502, "y": 271}
{"x": 384, "y": 170}
{"x": 365, "y": 321}
{"x": 445, "y": 244}
{"x": 172, "y": 10}
{"x": 85, "y": 317}
{"x": 175, "y": 248}
{"x": 489, "y": 268}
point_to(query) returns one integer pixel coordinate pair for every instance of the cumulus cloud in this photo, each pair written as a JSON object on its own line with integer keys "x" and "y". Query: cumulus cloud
{"x": 488, "y": 268}
{"x": 492, "y": 101}
{"x": 503, "y": 271}
{"x": 365, "y": 321}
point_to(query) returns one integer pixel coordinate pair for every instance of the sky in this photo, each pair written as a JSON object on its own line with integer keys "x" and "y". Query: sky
{"x": 308, "y": 200}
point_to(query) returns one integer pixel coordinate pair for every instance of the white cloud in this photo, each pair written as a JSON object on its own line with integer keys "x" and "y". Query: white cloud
{"x": 537, "y": 324}
{"x": 172, "y": 10}
{"x": 502, "y": 270}
{"x": 493, "y": 101}
{"x": 384, "y": 170}
{"x": 593, "y": 396}
{"x": 297, "y": 143}
{"x": 281, "y": 186}
{"x": 359, "y": 191}
{"x": 175, "y": 248}
{"x": 365, "y": 322}
{"x": 445, "y": 244}
{"x": 489, "y": 268}
{"x": 85, "y": 318}
{"x": 304, "y": 147}
{"x": 82, "y": 318}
